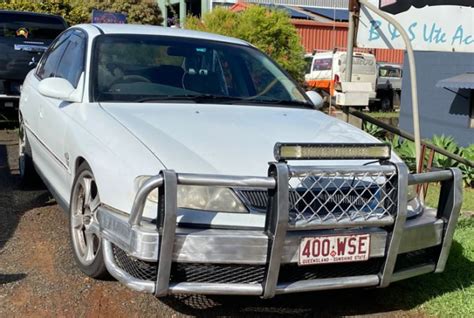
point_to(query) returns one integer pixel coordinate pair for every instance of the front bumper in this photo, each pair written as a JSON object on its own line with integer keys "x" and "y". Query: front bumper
{"x": 166, "y": 258}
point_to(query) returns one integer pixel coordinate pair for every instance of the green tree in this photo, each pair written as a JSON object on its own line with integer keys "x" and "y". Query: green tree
{"x": 137, "y": 11}
{"x": 269, "y": 30}
{"x": 79, "y": 11}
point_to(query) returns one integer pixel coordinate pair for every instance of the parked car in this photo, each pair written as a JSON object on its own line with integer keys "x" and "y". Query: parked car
{"x": 328, "y": 69}
{"x": 24, "y": 36}
{"x": 389, "y": 85}
{"x": 190, "y": 162}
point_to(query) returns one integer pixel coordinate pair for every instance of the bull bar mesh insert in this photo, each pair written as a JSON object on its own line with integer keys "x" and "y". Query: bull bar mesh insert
{"x": 335, "y": 196}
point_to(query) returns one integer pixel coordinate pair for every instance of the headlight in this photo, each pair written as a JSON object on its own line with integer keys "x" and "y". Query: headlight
{"x": 414, "y": 206}
{"x": 216, "y": 199}
{"x": 411, "y": 193}
{"x": 153, "y": 196}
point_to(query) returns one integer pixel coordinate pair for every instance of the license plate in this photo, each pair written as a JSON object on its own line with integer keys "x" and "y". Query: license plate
{"x": 334, "y": 249}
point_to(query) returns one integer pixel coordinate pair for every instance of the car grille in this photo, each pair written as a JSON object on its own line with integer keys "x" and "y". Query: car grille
{"x": 135, "y": 267}
{"x": 217, "y": 273}
{"x": 417, "y": 258}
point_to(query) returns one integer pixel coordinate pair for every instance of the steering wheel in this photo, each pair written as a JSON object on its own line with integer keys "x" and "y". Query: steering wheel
{"x": 131, "y": 79}
{"x": 267, "y": 88}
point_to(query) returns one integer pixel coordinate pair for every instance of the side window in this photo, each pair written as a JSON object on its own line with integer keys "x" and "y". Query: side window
{"x": 49, "y": 62}
{"x": 71, "y": 64}
{"x": 264, "y": 82}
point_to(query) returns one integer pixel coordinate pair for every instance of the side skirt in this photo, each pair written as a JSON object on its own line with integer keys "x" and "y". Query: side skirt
{"x": 62, "y": 203}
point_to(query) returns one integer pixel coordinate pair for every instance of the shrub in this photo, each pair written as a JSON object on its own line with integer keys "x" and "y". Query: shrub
{"x": 467, "y": 171}
{"x": 77, "y": 11}
{"x": 269, "y": 30}
{"x": 447, "y": 143}
{"x": 137, "y": 11}
{"x": 407, "y": 152}
{"x": 374, "y": 130}
{"x": 70, "y": 11}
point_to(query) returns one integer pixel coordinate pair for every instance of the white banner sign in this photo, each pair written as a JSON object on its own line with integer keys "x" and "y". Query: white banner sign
{"x": 432, "y": 25}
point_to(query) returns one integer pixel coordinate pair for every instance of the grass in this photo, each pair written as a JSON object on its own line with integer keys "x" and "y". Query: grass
{"x": 450, "y": 294}
{"x": 468, "y": 198}
{"x": 458, "y": 279}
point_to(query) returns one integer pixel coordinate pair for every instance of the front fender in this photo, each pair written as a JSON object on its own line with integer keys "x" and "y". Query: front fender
{"x": 115, "y": 156}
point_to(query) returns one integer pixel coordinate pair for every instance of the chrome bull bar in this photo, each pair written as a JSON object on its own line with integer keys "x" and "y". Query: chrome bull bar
{"x": 277, "y": 227}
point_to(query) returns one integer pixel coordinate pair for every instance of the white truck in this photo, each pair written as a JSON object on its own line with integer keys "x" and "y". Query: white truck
{"x": 389, "y": 85}
{"x": 326, "y": 70}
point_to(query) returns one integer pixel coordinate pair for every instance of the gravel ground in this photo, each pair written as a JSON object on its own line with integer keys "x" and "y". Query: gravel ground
{"x": 38, "y": 276}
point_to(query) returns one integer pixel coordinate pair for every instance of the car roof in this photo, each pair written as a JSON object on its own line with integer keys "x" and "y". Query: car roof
{"x": 159, "y": 30}
{"x": 32, "y": 13}
{"x": 327, "y": 54}
{"x": 382, "y": 64}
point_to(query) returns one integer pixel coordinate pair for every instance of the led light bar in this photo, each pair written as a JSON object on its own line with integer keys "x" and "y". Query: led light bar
{"x": 315, "y": 151}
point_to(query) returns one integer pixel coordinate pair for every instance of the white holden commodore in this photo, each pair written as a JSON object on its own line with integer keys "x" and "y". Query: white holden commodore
{"x": 190, "y": 162}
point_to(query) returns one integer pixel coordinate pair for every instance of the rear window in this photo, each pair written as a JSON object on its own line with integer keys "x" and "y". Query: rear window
{"x": 30, "y": 27}
{"x": 362, "y": 65}
{"x": 322, "y": 64}
{"x": 390, "y": 72}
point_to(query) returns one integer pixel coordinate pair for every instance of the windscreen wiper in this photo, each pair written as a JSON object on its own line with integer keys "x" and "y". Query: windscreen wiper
{"x": 209, "y": 98}
{"x": 201, "y": 98}
{"x": 282, "y": 102}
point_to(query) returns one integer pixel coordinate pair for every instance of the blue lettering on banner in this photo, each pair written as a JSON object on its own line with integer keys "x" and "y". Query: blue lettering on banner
{"x": 428, "y": 33}
{"x": 374, "y": 30}
{"x": 411, "y": 31}
{"x": 393, "y": 31}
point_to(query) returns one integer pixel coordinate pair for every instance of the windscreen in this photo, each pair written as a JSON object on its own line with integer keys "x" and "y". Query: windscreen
{"x": 387, "y": 71}
{"x": 29, "y": 26}
{"x": 141, "y": 68}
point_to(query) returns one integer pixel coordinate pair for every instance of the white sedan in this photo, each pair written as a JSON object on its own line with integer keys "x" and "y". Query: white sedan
{"x": 191, "y": 163}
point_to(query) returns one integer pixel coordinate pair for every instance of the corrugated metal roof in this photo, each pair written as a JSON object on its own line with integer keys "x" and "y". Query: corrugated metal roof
{"x": 465, "y": 80}
{"x": 339, "y": 4}
{"x": 333, "y": 14}
{"x": 293, "y": 13}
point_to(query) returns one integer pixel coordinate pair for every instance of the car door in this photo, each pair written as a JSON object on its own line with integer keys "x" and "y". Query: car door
{"x": 54, "y": 114}
{"x": 33, "y": 101}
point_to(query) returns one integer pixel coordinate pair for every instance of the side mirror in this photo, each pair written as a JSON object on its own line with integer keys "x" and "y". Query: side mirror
{"x": 316, "y": 99}
{"x": 58, "y": 88}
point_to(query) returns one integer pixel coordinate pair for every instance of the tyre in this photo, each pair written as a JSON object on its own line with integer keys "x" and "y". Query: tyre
{"x": 386, "y": 104}
{"x": 86, "y": 246}
{"x": 26, "y": 167}
{"x": 374, "y": 106}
